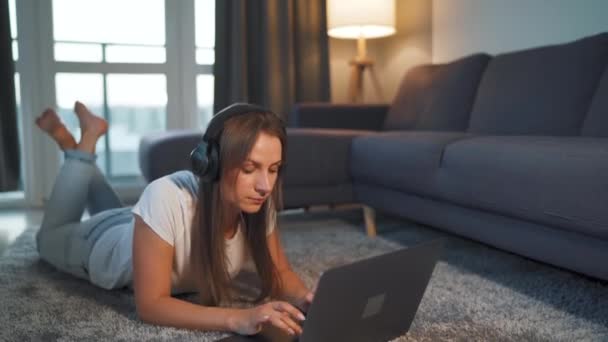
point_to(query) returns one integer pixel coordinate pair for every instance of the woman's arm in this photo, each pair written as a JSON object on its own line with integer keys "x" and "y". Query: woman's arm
{"x": 294, "y": 289}
{"x": 152, "y": 266}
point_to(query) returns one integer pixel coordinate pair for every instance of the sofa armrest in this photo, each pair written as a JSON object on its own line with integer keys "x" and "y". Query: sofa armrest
{"x": 319, "y": 156}
{"x": 346, "y": 116}
{"x": 317, "y": 170}
{"x": 163, "y": 153}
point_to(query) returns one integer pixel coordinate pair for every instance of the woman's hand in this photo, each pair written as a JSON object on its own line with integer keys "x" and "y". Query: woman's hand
{"x": 280, "y": 314}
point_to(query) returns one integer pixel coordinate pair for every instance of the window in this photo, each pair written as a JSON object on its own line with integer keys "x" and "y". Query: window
{"x": 109, "y": 30}
{"x": 13, "y": 18}
{"x": 204, "y": 97}
{"x": 205, "y": 57}
{"x": 205, "y": 31}
{"x": 136, "y": 105}
{"x": 133, "y": 104}
{"x": 131, "y": 61}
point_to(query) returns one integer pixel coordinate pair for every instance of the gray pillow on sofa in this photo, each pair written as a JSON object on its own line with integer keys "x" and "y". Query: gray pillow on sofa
{"x": 437, "y": 97}
{"x": 540, "y": 91}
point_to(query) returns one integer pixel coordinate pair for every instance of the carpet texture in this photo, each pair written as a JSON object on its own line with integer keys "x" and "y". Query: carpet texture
{"x": 476, "y": 293}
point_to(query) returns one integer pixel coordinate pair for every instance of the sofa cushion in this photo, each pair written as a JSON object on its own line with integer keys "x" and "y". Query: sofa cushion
{"x": 596, "y": 122}
{"x": 540, "y": 91}
{"x": 437, "y": 97}
{"x": 559, "y": 181}
{"x": 400, "y": 160}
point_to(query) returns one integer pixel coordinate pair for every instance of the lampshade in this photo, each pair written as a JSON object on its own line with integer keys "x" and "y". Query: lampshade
{"x": 360, "y": 18}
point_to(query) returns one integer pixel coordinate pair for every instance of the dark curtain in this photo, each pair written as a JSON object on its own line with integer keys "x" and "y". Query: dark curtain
{"x": 9, "y": 139}
{"x": 271, "y": 52}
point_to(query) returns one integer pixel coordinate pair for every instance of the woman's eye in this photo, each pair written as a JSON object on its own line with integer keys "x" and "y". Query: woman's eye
{"x": 252, "y": 170}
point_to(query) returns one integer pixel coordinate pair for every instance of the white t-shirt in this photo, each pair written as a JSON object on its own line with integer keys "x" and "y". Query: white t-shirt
{"x": 167, "y": 206}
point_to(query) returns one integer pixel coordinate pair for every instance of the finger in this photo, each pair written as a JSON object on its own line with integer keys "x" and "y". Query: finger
{"x": 290, "y": 309}
{"x": 291, "y": 323}
{"x": 309, "y": 297}
{"x": 278, "y": 321}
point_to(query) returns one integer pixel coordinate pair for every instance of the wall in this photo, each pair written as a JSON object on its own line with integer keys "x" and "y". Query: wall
{"x": 442, "y": 30}
{"x": 393, "y": 55}
{"x": 465, "y": 26}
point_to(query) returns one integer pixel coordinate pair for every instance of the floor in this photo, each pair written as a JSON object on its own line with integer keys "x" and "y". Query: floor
{"x": 476, "y": 293}
{"x": 13, "y": 222}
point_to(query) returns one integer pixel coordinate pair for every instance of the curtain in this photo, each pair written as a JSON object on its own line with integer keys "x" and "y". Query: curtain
{"x": 271, "y": 52}
{"x": 9, "y": 139}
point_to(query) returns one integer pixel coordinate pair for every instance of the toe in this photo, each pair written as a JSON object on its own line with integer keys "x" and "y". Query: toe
{"x": 80, "y": 108}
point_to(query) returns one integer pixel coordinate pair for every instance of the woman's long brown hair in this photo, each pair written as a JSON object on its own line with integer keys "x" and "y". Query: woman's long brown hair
{"x": 214, "y": 215}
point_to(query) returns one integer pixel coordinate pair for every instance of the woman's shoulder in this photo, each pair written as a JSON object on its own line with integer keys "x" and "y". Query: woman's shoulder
{"x": 175, "y": 184}
{"x": 184, "y": 180}
{"x": 165, "y": 203}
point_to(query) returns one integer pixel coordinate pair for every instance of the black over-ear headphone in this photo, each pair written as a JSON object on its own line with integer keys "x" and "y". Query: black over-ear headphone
{"x": 205, "y": 158}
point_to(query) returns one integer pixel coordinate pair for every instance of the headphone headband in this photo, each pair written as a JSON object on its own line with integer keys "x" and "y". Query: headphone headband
{"x": 216, "y": 125}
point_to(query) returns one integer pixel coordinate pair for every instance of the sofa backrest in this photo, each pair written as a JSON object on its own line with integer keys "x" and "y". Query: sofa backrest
{"x": 540, "y": 91}
{"x": 596, "y": 122}
{"x": 437, "y": 97}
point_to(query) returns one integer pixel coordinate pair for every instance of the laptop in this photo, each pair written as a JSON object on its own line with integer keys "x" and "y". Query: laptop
{"x": 374, "y": 299}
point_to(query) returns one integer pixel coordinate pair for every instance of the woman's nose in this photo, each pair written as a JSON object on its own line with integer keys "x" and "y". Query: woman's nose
{"x": 262, "y": 185}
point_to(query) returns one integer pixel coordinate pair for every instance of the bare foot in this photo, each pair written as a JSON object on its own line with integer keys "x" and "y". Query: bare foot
{"x": 90, "y": 122}
{"x": 50, "y": 122}
{"x": 92, "y": 127}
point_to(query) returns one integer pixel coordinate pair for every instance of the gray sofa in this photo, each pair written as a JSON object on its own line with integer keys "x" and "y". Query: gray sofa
{"x": 510, "y": 150}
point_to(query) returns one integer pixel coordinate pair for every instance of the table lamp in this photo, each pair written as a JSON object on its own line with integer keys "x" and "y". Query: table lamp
{"x": 361, "y": 20}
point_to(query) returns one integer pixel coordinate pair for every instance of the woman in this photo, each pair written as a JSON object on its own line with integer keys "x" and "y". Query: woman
{"x": 187, "y": 232}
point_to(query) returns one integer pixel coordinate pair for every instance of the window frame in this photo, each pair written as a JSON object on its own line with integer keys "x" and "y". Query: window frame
{"x": 37, "y": 68}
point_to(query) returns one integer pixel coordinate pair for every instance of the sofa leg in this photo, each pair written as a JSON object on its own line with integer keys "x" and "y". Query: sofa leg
{"x": 369, "y": 214}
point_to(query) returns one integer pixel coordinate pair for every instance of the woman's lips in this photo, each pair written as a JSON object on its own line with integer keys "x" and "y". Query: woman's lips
{"x": 257, "y": 200}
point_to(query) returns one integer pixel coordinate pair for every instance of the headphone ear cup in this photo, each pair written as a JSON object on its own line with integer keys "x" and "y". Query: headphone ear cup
{"x": 199, "y": 160}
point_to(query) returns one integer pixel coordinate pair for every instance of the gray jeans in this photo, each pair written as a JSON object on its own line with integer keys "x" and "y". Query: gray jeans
{"x": 64, "y": 239}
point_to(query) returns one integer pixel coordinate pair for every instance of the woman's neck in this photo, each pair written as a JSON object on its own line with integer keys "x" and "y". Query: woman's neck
{"x": 232, "y": 228}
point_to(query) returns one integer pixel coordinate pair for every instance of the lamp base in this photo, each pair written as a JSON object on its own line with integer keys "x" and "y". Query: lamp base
{"x": 355, "y": 87}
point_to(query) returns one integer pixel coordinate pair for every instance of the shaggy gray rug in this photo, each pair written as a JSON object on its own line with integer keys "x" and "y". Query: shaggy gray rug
{"x": 476, "y": 293}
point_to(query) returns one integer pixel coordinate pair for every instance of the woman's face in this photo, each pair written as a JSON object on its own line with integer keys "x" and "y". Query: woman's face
{"x": 257, "y": 176}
